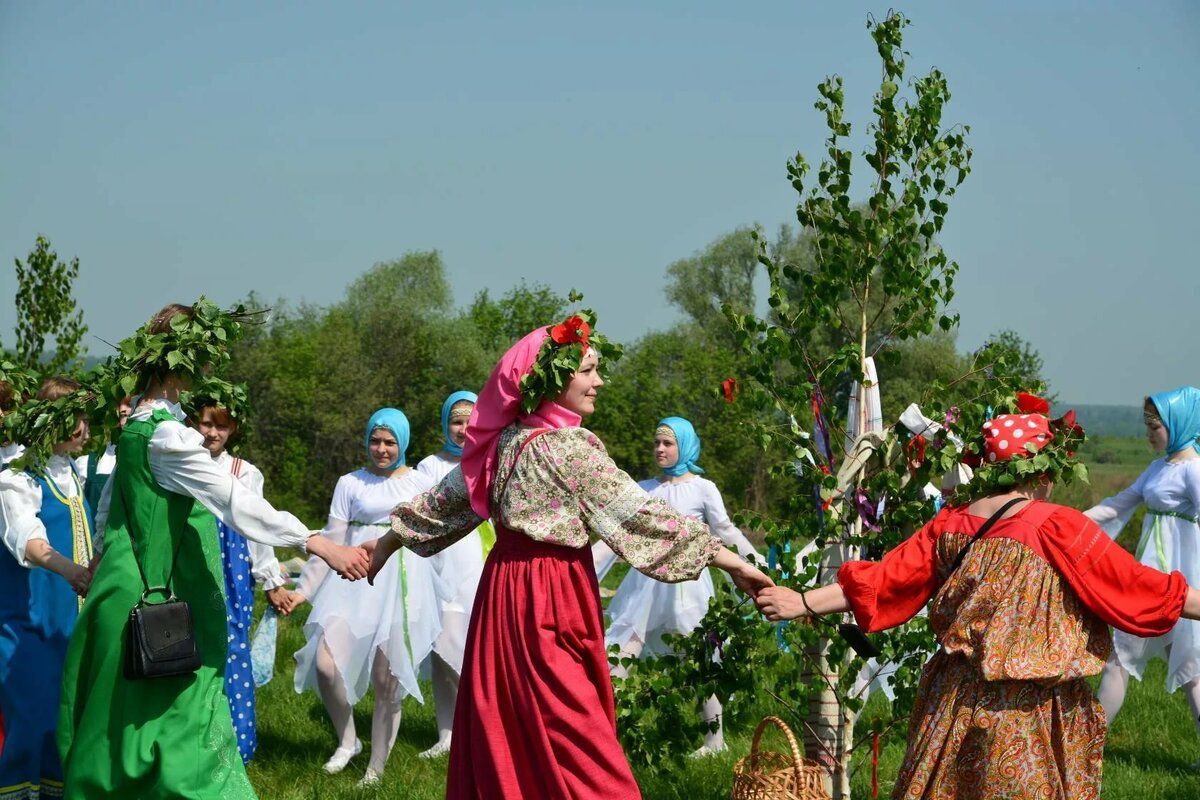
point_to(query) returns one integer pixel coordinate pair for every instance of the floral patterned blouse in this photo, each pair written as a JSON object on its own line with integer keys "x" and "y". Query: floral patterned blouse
{"x": 558, "y": 489}
{"x": 1032, "y": 600}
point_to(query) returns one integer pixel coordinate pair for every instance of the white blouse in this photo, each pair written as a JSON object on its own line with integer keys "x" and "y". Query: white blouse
{"x": 700, "y": 498}
{"x": 1164, "y": 486}
{"x": 438, "y": 465}
{"x": 108, "y": 460}
{"x": 179, "y": 463}
{"x": 264, "y": 566}
{"x": 21, "y": 502}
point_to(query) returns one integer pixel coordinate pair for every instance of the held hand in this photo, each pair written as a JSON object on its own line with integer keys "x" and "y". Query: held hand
{"x": 349, "y": 562}
{"x": 95, "y": 562}
{"x": 277, "y": 597}
{"x": 381, "y": 550}
{"x": 80, "y": 579}
{"x": 780, "y": 603}
{"x": 751, "y": 580}
{"x": 292, "y": 600}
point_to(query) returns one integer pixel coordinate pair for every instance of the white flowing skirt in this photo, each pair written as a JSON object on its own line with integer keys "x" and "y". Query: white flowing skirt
{"x": 643, "y": 610}
{"x": 459, "y": 568}
{"x": 398, "y": 617}
{"x": 1167, "y": 544}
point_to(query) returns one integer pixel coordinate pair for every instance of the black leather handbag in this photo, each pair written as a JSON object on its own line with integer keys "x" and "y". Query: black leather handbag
{"x": 160, "y": 638}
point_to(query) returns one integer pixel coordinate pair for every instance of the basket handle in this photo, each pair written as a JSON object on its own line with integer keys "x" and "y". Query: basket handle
{"x": 797, "y": 758}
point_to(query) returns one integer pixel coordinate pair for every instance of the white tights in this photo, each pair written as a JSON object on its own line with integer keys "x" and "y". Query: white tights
{"x": 385, "y": 722}
{"x": 1114, "y": 683}
{"x": 445, "y": 695}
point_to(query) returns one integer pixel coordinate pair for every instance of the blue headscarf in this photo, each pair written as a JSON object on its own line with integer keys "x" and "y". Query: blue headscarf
{"x": 392, "y": 419}
{"x": 458, "y": 397}
{"x": 689, "y": 446}
{"x": 1180, "y": 412}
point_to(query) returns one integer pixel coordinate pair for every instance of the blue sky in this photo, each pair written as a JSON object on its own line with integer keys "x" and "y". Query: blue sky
{"x": 284, "y": 148}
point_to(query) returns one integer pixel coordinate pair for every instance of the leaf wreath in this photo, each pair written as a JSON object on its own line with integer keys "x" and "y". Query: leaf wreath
{"x": 1057, "y": 461}
{"x": 217, "y": 392}
{"x": 23, "y": 382}
{"x": 39, "y": 425}
{"x": 193, "y": 347}
{"x": 560, "y": 357}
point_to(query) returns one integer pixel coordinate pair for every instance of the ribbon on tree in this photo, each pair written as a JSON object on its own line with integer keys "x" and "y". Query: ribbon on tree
{"x": 916, "y": 443}
{"x": 875, "y": 765}
{"x": 868, "y": 512}
{"x": 818, "y": 407}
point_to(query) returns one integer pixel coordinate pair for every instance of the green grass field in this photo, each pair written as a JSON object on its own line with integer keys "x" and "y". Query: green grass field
{"x": 1149, "y": 753}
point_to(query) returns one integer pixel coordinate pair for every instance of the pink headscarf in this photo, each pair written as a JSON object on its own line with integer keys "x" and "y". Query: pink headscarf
{"x": 499, "y": 405}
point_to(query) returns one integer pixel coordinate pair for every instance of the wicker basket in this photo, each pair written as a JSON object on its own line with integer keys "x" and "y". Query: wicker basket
{"x": 767, "y": 775}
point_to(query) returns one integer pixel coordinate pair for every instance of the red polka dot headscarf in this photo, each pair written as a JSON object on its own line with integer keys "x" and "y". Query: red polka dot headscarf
{"x": 1015, "y": 435}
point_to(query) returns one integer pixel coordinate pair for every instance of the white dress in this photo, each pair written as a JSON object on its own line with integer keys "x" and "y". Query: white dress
{"x": 397, "y": 617}
{"x": 459, "y": 567}
{"x": 1170, "y": 541}
{"x": 644, "y": 609}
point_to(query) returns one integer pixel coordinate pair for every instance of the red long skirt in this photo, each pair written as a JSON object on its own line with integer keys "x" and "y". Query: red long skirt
{"x": 535, "y": 718}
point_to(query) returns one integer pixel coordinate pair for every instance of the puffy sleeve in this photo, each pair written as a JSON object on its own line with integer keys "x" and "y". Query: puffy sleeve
{"x": 1113, "y": 513}
{"x": 889, "y": 592}
{"x": 179, "y": 463}
{"x": 645, "y": 531}
{"x": 1191, "y": 484}
{"x": 20, "y": 504}
{"x": 337, "y": 530}
{"x": 722, "y": 526}
{"x": 437, "y": 518}
{"x": 264, "y": 566}
{"x": 1112, "y": 584}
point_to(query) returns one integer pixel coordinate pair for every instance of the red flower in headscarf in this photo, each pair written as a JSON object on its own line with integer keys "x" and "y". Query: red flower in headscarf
{"x": 1032, "y": 404}
{"x": 730, "y": 388}
{"x": 571, "y": 330}
{"x": 1067, "y": 422}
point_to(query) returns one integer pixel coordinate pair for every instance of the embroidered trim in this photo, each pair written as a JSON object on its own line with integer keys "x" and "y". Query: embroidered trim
{"x": 81, "y": 529}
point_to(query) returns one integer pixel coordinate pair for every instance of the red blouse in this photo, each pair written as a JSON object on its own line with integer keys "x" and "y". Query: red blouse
{"x": 1105, "y": 578}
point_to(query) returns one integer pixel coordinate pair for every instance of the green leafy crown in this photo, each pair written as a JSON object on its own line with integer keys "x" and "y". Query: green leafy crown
{"x": 22, "y": 381}
{"x": 192, "y": 347}
{"x": 1057, "y": 461}
{"x": 39, "y": 425}
{"x": 561, "y": 355}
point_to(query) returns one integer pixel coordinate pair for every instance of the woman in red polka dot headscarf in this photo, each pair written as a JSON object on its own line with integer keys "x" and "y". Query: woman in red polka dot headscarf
{"x": 1021, "y": 595}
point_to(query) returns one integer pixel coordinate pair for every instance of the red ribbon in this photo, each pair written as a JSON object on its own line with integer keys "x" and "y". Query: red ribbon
{"x": 916, "y": 443}
{"x": 730, "y": 388}
{"x": 875, "y": 766}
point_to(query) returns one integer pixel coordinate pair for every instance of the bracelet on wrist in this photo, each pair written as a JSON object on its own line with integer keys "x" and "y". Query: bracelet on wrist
{"x": 807, "y": 607}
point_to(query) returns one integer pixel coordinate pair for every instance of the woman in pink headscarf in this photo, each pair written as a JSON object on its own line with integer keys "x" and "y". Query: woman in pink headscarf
{"x": 535, "y": 712}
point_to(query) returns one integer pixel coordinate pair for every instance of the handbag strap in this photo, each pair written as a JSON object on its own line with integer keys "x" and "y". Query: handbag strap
{"x": 147, "y": 591}
{"x": 984, "y": 528}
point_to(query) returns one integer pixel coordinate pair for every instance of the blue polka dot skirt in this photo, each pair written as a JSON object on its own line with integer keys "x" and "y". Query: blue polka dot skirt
{"x": 239, "y": 613}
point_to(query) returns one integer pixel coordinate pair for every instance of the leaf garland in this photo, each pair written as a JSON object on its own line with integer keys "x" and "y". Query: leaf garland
{"x": 192, "y": 348}
{"x": 195, "y": 348}
{"x": 39, "y": 425}
{"x": 1056, "y": 462}
{"x": 22, "y": 381}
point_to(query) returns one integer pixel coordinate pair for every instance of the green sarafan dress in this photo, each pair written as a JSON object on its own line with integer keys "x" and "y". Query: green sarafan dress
{"x": 162, "y": 737}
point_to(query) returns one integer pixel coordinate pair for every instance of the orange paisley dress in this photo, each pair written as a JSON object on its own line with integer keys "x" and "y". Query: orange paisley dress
{"x": 1003, "y": 709}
